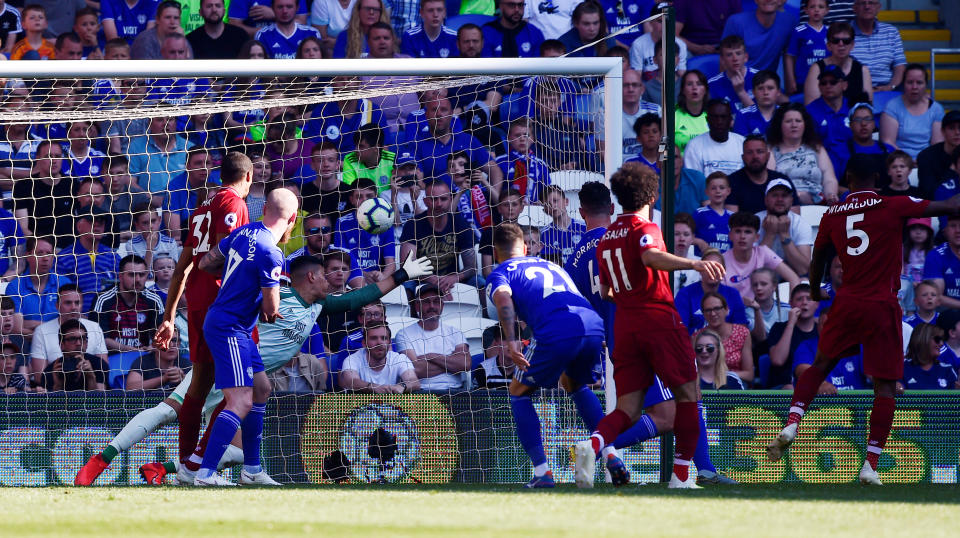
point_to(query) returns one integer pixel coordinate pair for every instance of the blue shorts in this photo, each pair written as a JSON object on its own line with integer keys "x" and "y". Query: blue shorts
{"x": 656, "y": 393}
{"x": 235, "y": 358}
{"x": 575, "y": 357}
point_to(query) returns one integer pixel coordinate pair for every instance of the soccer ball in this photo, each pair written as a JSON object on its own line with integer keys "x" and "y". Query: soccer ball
{"x": 375, "y": 215}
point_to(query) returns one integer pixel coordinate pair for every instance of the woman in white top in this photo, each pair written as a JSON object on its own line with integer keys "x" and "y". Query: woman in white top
{"x": 798, "y": 153}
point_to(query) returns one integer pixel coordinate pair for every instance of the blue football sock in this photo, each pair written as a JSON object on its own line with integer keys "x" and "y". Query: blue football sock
{"x": 252, "y": 435}
{"x": 642, "y": 430}
{"x": 702, "y": 456}
{"x": 224, "y": 428}
{"x": 527, "y": 424}
{"x": 588, "y": 406}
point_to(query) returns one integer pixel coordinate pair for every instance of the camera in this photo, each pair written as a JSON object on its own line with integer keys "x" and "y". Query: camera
{"x": 71, "y": 363}
{"x": 407, "y": 180}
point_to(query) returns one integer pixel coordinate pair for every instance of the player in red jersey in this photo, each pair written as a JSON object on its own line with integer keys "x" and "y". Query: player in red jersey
{"x": 651, "y": 338}
{"x": 866, "y": 232}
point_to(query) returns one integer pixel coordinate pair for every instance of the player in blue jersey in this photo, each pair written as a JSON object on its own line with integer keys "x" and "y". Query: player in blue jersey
{"x": 432, "y": 39}
{"x": 568, "y": 338}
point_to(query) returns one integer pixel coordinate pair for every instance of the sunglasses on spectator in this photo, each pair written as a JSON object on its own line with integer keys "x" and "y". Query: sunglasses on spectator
{"x": 714, "y": 309}
{"x": 320, "y": 229}
{"x": 709, "y": 348}
{"x": 839, "y": 40}
{"x": 938, "y": 339}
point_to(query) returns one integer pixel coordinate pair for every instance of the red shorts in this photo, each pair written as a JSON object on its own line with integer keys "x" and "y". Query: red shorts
{"x": 876, "y": 325}
{"x": 656, "y": 342}
{"x": 199, "y": 352}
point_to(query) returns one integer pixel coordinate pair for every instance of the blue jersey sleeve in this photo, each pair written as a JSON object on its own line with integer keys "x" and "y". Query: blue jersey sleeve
{"x": 932, "y": 265}
{"x": 239, "y": 9}
{"x": 108, "y": 10}
{"x": 271, "y": 265}
{"x": 497, "y": 280}
{"x": 793, "y": 45}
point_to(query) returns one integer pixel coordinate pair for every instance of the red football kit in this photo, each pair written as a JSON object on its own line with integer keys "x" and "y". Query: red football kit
{"x": 866, "y": 230}
{"x": 649, "y": 334}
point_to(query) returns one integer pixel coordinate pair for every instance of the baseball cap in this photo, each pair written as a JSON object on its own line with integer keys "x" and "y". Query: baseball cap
{"x": 857, "y": 107}
{"x": 405, "y": 157}
{"x": 948, "y": 319}
{"x": 426, "y": 288}
{"x": 950, "y": 118}
{"x": 832, "y": 71}
{"x": 928, "y": 222}
{"x": 779, "y": 182}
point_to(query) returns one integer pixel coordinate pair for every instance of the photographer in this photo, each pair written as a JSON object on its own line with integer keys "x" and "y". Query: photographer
{"x": 75, "y": 370}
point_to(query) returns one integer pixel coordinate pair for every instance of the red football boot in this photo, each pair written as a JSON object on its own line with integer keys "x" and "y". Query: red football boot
{"x": 94, "y": 467}
{"x": 153, "y": 473}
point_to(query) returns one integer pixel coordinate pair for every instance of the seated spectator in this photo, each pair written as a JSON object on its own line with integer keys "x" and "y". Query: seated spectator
{"x": 163, "y": 267}
{"x": 375, "y": 255}
{"x": 522, "y": 170}
{"x": 148, "y": 241}
{"x": 286, "y": 153}
{"x": 689, "y": 297}
{"x": 82, "y": 160}
{"x": 186, "y": 190}
{"x": 782, "y": 230}
{"x": 847, "y": 374}
{"x": 861, "y": 142}
{"x": 653, "y": 86}
{"x": 352, "y": 42}
{"x": 129, "y": 314}
{"x": 922, "y": 369}
{"x": 701, "y": 25}
{"x": 45, "y": 345}
{"x": 330, "y": 17}
{"x": 122, "y": 195}
{"x": 859, "y": 87}
{"x": 785, "y": 337}
{"x": 338, "y": 121}
{"x": 561, "y": 136}
{"x": 374, "y": 313}
{"x": 942, "y": 264}
{"x": 712, "y": 364}
{"x": 262, "y": 175}
{"x": 395, "y": 106}
{"x": 646, "y": 147}
{"x": 432, "y": 39}
{"x": 926, "y": 297}
{"x": 734, "y": 336}
{"x": 471, "y": 193}
{"x": 765, "y": 32}
{"x": 831, "y": 116}
{"x": 176, "y": 91}
{"x": 34, "y": 293}
{"x": 11, "y": 324}
{"x": 712, "y": 220}
{"x": 371, "y": 160}
{"x": 643, "y": 53}
{"x": 12, "y": 381}
{"x": 563, "y": 233}
{"x": 746, "y": 255}
{"x": 87, "y": 261}
{"x": 318, "y": 238}
{"x": 11, "y": 246}
{"x": 718, "y": 149}
{"x": 75, "y": 369}
{"x": 509, "y": 209}
{"x": 9, "y": 26}
{"x": 898, "y": 167}
{"x": 948, "y": 321}
{"x": 510, "y": 36}
{"x": 690, "y": 115}
{"x": 734, "y": 82}
{"x": 157, "y": 156}
{"x": 755, "y": 119}
{"x": 916, "y": 245}
{"x": 321, "y": 186}
{"x": 879, "y": 46}
{"x": 799, "y": 153}
{"x": 531, "y": 239}
{"x": 589, "y": 26}
{"x": 286, "y": 32}
{"x": 163, "y": 369}
{"x": 444, "y": 237}
{"x": 303, "y": 373}
{"x": 807, "y": 44}
{"x": 684, "y": 229}
{"x": 120, "y": 20}
{"x": 146, "y": 46}
{"x": 766, "y": 307}
{"x": 43, "y": 203}
{"x": 33, "y": 46}
{"x": 934, "y": 162}
{"x": 17, "y": 151}
{"x": 438, "y": 350}
{"x": 406, "y": 189}
{"x": 377, "y": 369}
{"x": 216, "y": 40}
{"x": 90, "y": 197}
{"x": 497, "y": 368}
{"x": 911, "y": 121}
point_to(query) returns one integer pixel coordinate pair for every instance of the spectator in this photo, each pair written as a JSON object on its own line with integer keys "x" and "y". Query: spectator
{"x": 522, "y": 170}
{"x": 934, "y": 162}
{"x": 303, "y": 373}
{"x": 128, "y": 313}
{"x": 216, "y": 40}
{"x": 948, "y": 322}
{"x": 75, "y": 369}
{"x": 807, "y": 44}
{"x": 748, "y": 185}
{"x": 785, "y": 337}
{"x": 926, "y": 297}
{"x": 149, "y": 242}
{"x": 633, "y": 109}
{"x": 17, "y": 151}
{"x": 766, "y": 307}
{"x": 373, "y": 254}
{"x": 689, "y": 186}
{"x": 690, "y": 115}
{"x": 43, "y": 203}
{"x": 878, "y": 46}
{"x": 163, "y": 267}
{"x": 11, "y": 325}
{"x": 33, "y": 46}
{"x": 689, "y": 297}
{"x": 371, "y": 160}
{"x": 701, "y": 25}
{"x": 684, "y": 229}
{"x": 406, "y": 189}
{"x": 798, "y": 153}
{"x": 374, "y": 313}
{"x": 942, "y": 264}
{"x": 643, "y": 54}
{"x": 185, "y": 191}
{"x": 34, "y": 293}
{"x": 322, "y": 193}
{"x": 922, "y": 369}
{"x": 438, "y": 351}
{"x": 470, "y": 41}
{"x": 562, "y": 137}
{"x": 782, "y": 230}
{"x": 718, "y": 149}
{"x": 563, "y": 233}
{"x": 147, "y": 44}
{"x": 318, "y": 232}
{"x": 831, "y": 116}
{"x": 712, "y": 220}
{"x": 257, "y": 196}
{"x": 654, "y": 85}
{"x": 734, "y": 82}
{"x": 352, "y": 42}
{"x": 444, "y": 237}
{"x": 898, "y": 167}
{"x": 840, "y": 11}
{"x": 120, "y": 19}
{"x": 86, "y": 25}
{"x": 755, "y": 119}
{"x": 858, "y": 87}
{"x": 847, "y": 374}
{"x": 765, "y": 31}
{"x": 163, "y": 369}
{"x": 157, "y": 156}
{"x": 87, "y": 260}
{"x": 330, "y": 17}
{"x": 338, "y": 121}
{"x": 11, "y": 246}
{"x": 510, "y": 36}
{"x": 471, "y": 193}
{"x": 9, "y": 26}
{"x": 917, "y": 243}
{"x": 589, "y": 26}
{"x": 67, "y": 47}
{"x": 862, "y": 126}
{"x": 912, "y": 121}
{"x": 497, "y": 369}
{"x": 746, "y": 255}
{"x": 251, "y": 15}
{"x": 510, "y": 206}
{"x": 432, "y": 39}
{"x": 285, "y": 34}
{"x": 531, "y": 240}
{"x": 45, "y": 345}
{"x": 711, "y": 363}
{"x": 11, "y": 381}
{"x": 122, "y": 195}
{"x": 376, "y": 368}
{"x": 286, "y": 153}
{"x": 735, "y": 337}
{"x": 82, "y": 160}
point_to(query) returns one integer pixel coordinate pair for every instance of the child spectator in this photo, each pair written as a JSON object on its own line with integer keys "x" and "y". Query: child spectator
{"x": 735, "y": 82}
{"x": 949, "y": 185}
{"x": 926, "y": 297}
{"x": 406, "y": 189}
{"x": 808, "y": 43}
{"x": 899, "y": 165}
{"x": 149, "y": 242}
{"x": 746, "y": 256}
{"x": 496, "y": 371}
{"x": 9, "y": 26}
{"x": 82, "y": 160}
{"x": 684, "y": 237}
{"x": 522, "y": 169}
{"x": 33, "y": 46}
{"x": 531, "y": 238}
{"x": 86, "y": 25}
{"x": 949, "y": 321}
{"x": 786, "y": 336}
{"x": 647, "y": 129}
{"x": 917, "y": 243}
{"x": 766, "y": 307}
{"x": 12, "y": 381}
{"x": 755, "y": 120}
{"x": 713, "y": 219}
{"x": 942, "y": 264}
{"x": 471, "y": 192}
{"x": 560, "y": 236}
{"x": 163, "y": 266}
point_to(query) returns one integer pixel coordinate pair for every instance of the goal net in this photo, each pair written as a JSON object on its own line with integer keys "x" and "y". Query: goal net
{"x": 102, "y": 163}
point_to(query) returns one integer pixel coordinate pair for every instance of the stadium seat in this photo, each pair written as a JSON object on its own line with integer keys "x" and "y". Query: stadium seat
{"x": 811, "y": 214}
{"x": 464, "y": 302}
{"x": 571, "y": 180}
{"x": 472, "y": 329}
{"x": 533, "y": 215}
{"x": 708, "y": 64}
{"x": 396, "y": 303}
{"x": 880, "y": 100}
{"x": 397, "y": 323}
{"x": 120, "y": 364}
{"x": 573, "y": 207}
{"x": 456, "y": 21}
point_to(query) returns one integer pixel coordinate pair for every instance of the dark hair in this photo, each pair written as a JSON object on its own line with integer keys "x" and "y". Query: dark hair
{"x": 436, "y": 182}
{"x": 617, "y": 50}
{"x": 469, "y": 26}
{"x": 115, "y": 160}
{"x": 380, "y": 25}
{"x": 685, "y": 218}
{"x": 364, "y": 183}
{"x": 302, "y": 264}
{"x": 593, "y": 7}
{"x": 732, "y": 42}
{"x": 718, "y": 101}
{"x": 595, "y": 198}
{"x": 128, "y": 259}
{"x": 744, "y": 219}
{"x": 337, "y": 255}
{"x": 377, "y": 325}
{"x": 234, "y": 167}
{"x": 800, "y": 288}
{"x": 168, "y": 4}
{"x": 71, "y": 325}
{"x": 764, "y": 76}
{"x": 717, "y": 175}
{"x": 85, "y": 11}
{"x": 900, "y": 154}
{"x": 635, "y": 185}
{"x": 6, "y": 303}
{"x": 917, "y": 67}
{"x": 115, "y": 43}
{"x": 244, "y": 53}
{"x": 552, "y": 44}
{"x": 862, "y": 170}
{"x": 67, "y": 288}
{"x": 34, "y": 7}
{"x": 713, "y": 295}
{"x": 775, "y": 132}
{"x": 306, "y": 40}
{"x": 927, "y": 246}
{"x": 66, "y": 36}
{"x": 647, "y": 119}
{"x": 33, "y": 239}
{"x": 371, "y": 133}
{"x": 841, "y": 27}
{"x": 507, "y": 235}
{"x": 326, "y": 144}
{"x": 755, "y": 138}
{"x": 681, "y": 99}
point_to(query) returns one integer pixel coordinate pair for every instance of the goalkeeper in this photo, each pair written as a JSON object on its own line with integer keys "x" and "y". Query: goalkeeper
{"x": 279, "y": 342}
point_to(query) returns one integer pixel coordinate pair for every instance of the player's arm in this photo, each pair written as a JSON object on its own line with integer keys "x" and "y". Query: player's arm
{"x": 270, "y": 306}
{"x": 354, "y": 299}
{"x": 507, "y": 314}
{"x": 177, "y": 284}
{"x": 950, "y": 206}
{"x": 818, "y": 263}
{"x": 664, "y": 261}
{"x": 212, "y": 261}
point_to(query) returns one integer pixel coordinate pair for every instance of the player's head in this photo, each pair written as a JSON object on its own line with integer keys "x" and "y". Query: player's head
{"x": 926, "y": 295}
{"x": 595, "y": 200}
{"x": 635, "y": 185}
{"x": 800, "y": 298}
{"x": 744, "y": 227}
{"x": 336, "y": 264}
{"x": 427, "y": 304}
{"x": 69, "y": 302}
{"x": 236, "y": 171}
{"x": 861, "y": 172}
{"x": 508, "y": 242}
{"x": 281, "y": 209}
{"x": 307, "y": 277}
{"x": 376, "y": 340}
{"x": 684, "y": 230}
{"x": 133, "y": 273}
{"x": 925, "y": 342}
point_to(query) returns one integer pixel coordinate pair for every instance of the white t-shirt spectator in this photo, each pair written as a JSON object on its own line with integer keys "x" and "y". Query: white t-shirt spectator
{"x": 46, "y": 340}
{"x": 166, "y": 246}
{"x": 553, "y": 17}
{"x": 396, "y": 365}
{"x": 331, "y": 14}
{"x": 801, "y": 233}
{"x": 707, "y": 156}
{"x": 641, "y": 54}
{"x": 444, "y": 340}
{"x": 405, "y": 206}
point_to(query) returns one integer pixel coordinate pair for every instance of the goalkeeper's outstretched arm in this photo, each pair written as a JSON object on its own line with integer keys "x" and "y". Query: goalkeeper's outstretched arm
{"x": 354, "y": 299}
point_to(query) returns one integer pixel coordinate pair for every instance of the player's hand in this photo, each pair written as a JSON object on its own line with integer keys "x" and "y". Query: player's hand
{"x": 418, "y": 267}
{"x": 261, "y": 13}
{"x": 270, "y": 317}
{"x": 514, "y": 353}
{"x": 161, "y": 340}
{"x": 710, "y": 269}
{"x": 817, "y": 294}
{"x": 827, "y": 388}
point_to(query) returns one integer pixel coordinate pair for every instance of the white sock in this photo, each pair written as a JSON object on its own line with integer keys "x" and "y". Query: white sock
{"x": 607, "y": 451}
{"x": 232, "y": 456}
{"x": 541, "y": 469}
{"x": 142, "y": 425}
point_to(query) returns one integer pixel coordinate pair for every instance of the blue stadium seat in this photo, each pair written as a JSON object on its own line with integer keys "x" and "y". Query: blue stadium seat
{"x": 457, "y": 21}
{"x": 476, "y": 359}
{"x": 120, "y": 364}
{"x": 763, "y": 371}
{"x": 880, "y": 100}
{"x": 708, "y": 64}
{"x": 797, "y": 98}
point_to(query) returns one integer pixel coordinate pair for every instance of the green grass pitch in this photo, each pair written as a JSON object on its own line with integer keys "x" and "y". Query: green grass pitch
{"x": 484, "y": 510}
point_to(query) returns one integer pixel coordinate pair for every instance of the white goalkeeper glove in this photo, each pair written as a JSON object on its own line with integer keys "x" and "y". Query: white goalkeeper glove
{"x": 413, "y": 269}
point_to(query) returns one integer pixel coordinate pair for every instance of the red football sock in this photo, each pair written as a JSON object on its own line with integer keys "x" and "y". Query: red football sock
{"x": 805, "y": 392}
{"x": 611, "y": 426}
{"x": 881, "y": 420}
{"x": 194, "y": 463}
{"x": 686, "y": 432}
{"x": 189, "y": 418}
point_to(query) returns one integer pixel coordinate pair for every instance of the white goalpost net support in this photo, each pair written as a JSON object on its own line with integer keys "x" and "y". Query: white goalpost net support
{"x": 102, "y": 160}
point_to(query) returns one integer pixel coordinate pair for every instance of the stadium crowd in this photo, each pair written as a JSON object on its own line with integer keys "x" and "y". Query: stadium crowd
{"x": 95, "y": 213}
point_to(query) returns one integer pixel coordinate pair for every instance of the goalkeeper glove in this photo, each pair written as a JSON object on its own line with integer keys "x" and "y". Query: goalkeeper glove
{"x": 413, "y": 269}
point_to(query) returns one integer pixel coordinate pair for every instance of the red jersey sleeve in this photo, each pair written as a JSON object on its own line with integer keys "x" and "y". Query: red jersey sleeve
{"x": 230, "y": 215}
{"x": 906, "y": 206}
{"x": 646, "y": 236}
